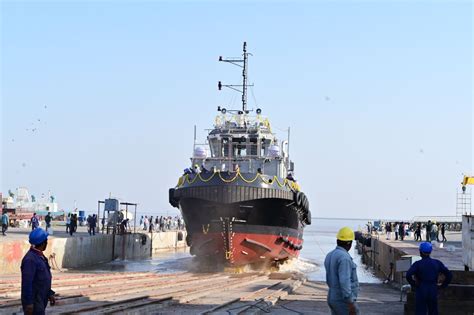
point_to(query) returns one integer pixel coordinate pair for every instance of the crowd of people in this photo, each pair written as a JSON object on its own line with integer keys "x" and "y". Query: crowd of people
{"x": 161, "y": 223}
{"x": 429, "y": 231}
{"x": 149, "y": 224}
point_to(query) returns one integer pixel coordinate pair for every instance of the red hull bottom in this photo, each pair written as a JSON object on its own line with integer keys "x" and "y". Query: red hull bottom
{"x": 238, "y": 249}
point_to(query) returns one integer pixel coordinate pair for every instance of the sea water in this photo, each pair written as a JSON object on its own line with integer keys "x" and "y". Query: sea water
{"x": 320, "y": 239}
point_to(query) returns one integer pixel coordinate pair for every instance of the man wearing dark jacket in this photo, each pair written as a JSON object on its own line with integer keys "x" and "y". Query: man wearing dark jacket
{"x": 36, "y": 275}
{"x": 48, "y": 218}
{"x": 423, "y": 275}
{"x": 93, "y": 224}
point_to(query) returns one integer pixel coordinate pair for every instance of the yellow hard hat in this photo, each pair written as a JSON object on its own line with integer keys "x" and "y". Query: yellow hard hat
{"x": 345, "y": 234}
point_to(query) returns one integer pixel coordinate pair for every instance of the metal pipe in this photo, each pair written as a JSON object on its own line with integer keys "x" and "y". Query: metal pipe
{"x": 98, "y": 216}
{"x": 135, "y": 220}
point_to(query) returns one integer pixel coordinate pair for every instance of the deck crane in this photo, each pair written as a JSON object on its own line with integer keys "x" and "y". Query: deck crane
{"x": 467, "y": 180}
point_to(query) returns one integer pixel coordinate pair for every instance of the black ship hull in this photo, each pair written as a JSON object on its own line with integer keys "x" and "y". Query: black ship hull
{"x": 240, "y": 223}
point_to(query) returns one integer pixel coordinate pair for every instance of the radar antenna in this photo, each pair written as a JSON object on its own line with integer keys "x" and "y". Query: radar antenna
{"x": 243, "y": 63}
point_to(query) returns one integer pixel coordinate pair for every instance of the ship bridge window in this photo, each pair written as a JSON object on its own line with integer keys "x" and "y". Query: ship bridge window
{"x": 253, "y": 146}
{"x": 239, "y": 146}
{"x": 214, "y": 146}
{"x": 264, "y": 148}
{"x": 225, "y": 147}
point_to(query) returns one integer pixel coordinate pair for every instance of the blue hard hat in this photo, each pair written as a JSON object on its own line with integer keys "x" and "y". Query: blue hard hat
{"x": 38, "y": 236}
{"x": 426, "y": 247}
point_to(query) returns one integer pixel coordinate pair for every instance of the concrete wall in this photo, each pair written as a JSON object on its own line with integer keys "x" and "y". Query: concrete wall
{"x": 81, "y": 251}
{"x": 168, "y": 241}
{"x": 468, "y": 241}
{"x": 77, "y": 252}
{"x": 132, "y": 246}
{"x": 11, "y": 254}
{"x": 382, "y": 258}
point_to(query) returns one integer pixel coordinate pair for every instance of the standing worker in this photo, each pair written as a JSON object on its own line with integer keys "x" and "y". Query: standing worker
{"x": 47, "y": 219}
{"x": 5, "y": 222}
{"x": 401, "y": 231}
{"x": 36, "y": 275}
{"x": 34, "y": 221}
{"x": 68, "y": 222}
{"x": 418, "y": 232}
{"x": 88, "y": 220}
{"x": 428, "y": 231}
{"x": 443, "y": 230}
{"x": 388, "y": 230}
{"x": 72, "y": 224}
{"x": 423, "y": 275}
{"x": 435, "y": 232}
{"x": 341, "y": 276}
{"x": 93, "y": 224}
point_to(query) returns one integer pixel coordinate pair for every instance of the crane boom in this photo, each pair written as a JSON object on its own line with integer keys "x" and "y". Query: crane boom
{"x": 467, "y": 180}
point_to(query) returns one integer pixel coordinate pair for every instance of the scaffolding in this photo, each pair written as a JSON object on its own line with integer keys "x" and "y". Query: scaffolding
{"x": 110, "y": 222}
{"x": 463, "y": 202}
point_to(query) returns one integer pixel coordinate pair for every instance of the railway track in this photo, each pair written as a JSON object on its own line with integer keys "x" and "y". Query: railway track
{"x": 151, "y": 293}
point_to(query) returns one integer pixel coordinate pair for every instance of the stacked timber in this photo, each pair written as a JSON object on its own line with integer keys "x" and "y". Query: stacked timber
{"x": 151, "y": 293}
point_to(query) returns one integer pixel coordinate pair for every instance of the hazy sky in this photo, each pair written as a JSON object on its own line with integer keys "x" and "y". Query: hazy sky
{"x": 378, "y": 96}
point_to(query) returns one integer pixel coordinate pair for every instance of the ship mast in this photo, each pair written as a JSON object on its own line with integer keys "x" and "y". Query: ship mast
{"x": 243, "y": 63}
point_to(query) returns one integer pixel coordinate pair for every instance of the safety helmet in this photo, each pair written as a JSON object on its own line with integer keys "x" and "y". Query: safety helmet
{"x": 38, "y": 236}
{"x": 345, "y": 234}
{"x": 426, "y": 247}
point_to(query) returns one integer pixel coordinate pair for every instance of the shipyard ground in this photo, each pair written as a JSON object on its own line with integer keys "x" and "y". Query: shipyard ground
{"x": 193, "y": 293}
{"x": 94, "y": 292}
{"x": 450, "y": 253}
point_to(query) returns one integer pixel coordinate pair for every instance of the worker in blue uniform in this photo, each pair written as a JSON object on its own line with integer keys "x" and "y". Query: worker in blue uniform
{"x": 423, "y": 276}
{"x": 36, "y": 275}
{"x": 341, "y": 276}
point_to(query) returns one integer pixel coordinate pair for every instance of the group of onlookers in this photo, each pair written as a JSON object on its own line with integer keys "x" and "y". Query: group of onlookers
{"x": 400, "y": 229}
{"x": 161, "y": 223}
{"x": 150, "y": 224}
{"x": 71, "y": 223}
{"x": 430, "y": 230}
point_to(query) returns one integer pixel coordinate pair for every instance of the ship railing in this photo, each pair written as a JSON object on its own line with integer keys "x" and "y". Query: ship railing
{"x": 244, "y": 158}
{"x": 242, "y": 121}
{"x": 266, "y": 166}
{"x": 236, "y": 150}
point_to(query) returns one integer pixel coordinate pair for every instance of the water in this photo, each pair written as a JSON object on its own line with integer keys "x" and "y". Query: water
{"x": 166, "y": 262}
{"x": 319, "y": 239}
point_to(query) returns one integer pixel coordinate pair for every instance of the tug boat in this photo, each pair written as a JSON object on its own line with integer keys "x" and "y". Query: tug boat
{"x": 239, "y": 199}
